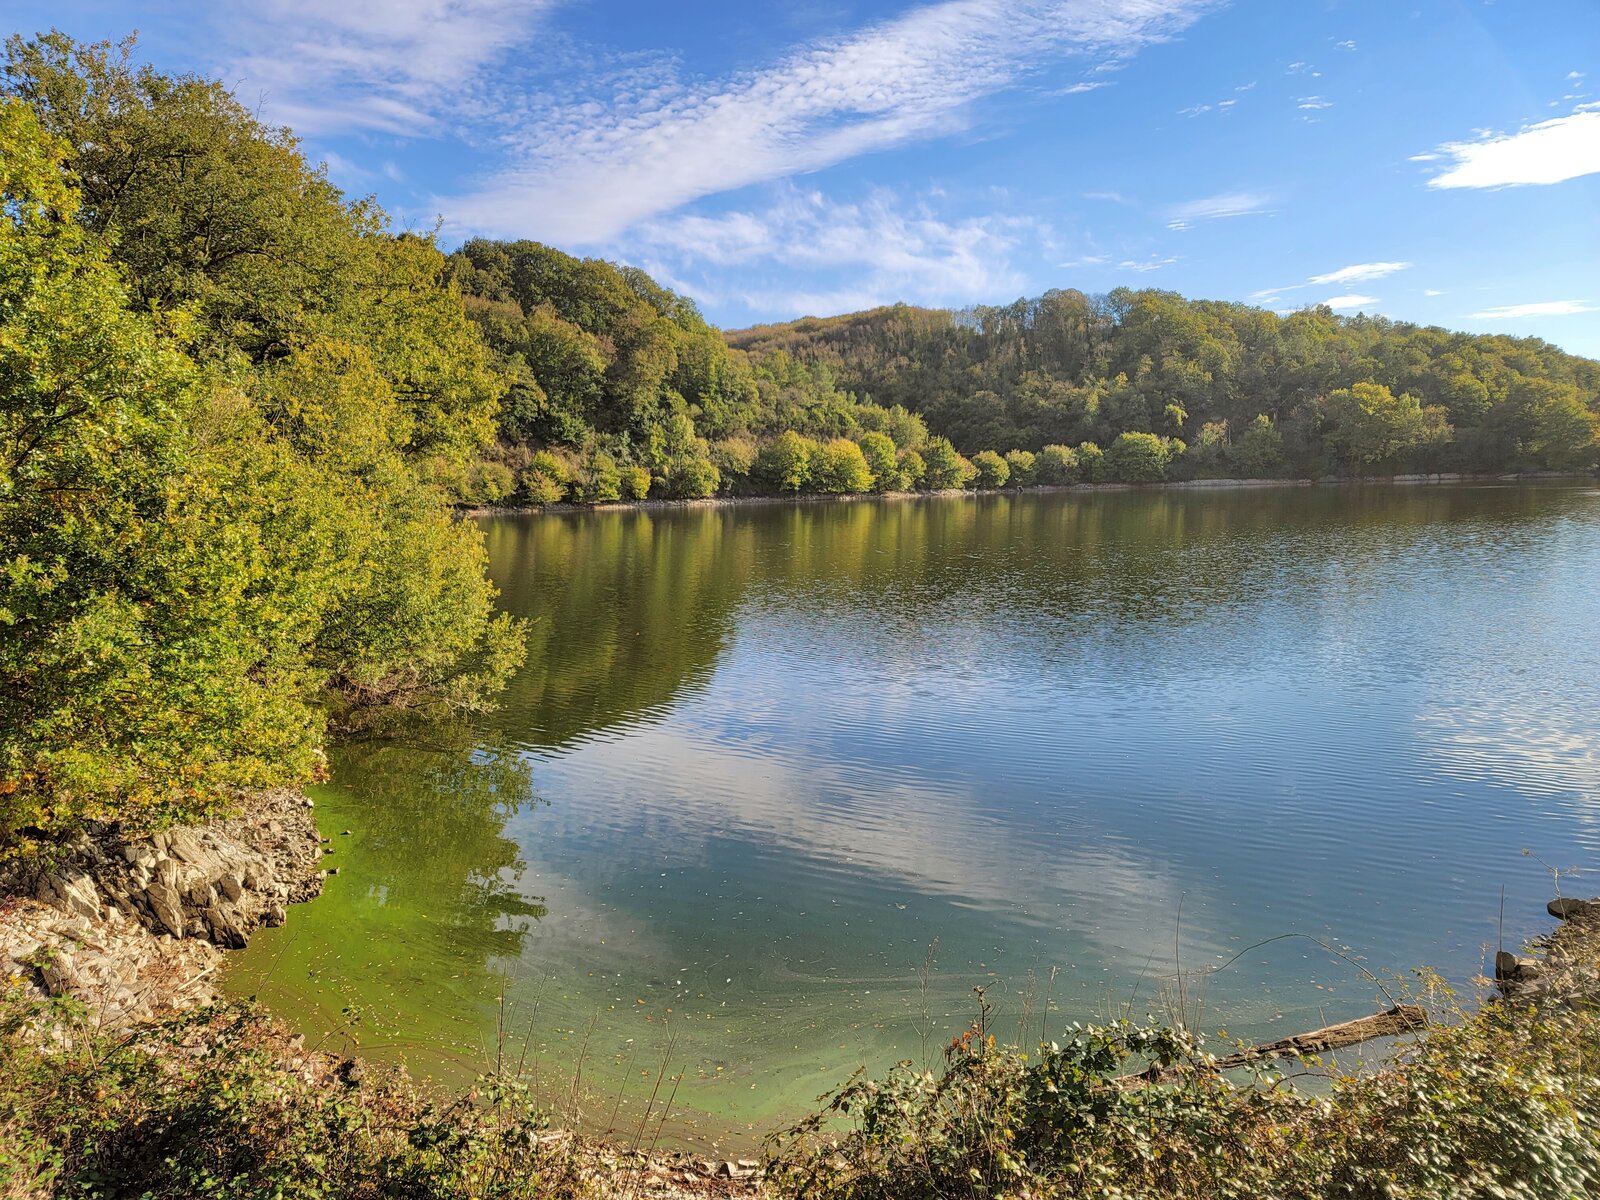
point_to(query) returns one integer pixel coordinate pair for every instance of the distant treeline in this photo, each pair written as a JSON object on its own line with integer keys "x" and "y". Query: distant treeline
{"x": 623, "y": 390}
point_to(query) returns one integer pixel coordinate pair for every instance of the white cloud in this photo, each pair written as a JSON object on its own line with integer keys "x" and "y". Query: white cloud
{"x": 1345, "y": 45}
{"x": 1151, "y": 264}
{"x": 1550, "y": 152}
{"x": 1543, "y": 308}
{"x": 1313, "y": 103}
{"x": 1432, "y": 292}
{"x": 388, "y": 66}
{"x": 1077, "y": 89}
{"x": 1360, "y": 272}
{"x": 588, "y": 167}
{"x": 1346, "y": 302}
{"x": 1213, "y": 208}
{"x": 890, "y": 251}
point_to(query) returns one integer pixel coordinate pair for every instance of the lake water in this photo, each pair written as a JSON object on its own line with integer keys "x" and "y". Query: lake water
{"x": 762, "y": 758}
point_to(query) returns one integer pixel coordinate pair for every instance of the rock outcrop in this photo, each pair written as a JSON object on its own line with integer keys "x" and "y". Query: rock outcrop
{"x": 135, "y": 926}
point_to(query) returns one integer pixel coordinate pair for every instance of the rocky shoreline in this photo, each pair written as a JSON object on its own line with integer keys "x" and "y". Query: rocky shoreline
{"x": 135, "y": 927}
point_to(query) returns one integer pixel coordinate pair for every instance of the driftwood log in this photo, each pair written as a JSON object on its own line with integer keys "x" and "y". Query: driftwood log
{"x": 1403, "y": 1018}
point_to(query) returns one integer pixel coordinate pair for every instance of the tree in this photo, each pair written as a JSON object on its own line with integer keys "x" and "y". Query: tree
{"x": 785, "y": 464}
{"x": 1024, "y": 467}
{"x": 1091, "y": 463}
{"x": 1058, "y": 465}
{"x": 149, "y": 663}
{"x": 840, "y": 466}
{"x": 879, "y": 451}
{"x": 1260, "y": 449}
{"x": 992, "y": 470}
{"x": 944, "y": 468}
{"x": 1141, "y": 457}
{"x": 1369, "y": 424}
{"x": 912, "y": 468}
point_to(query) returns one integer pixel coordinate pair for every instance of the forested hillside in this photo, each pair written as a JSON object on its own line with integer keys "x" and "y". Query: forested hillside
{"x": 225, "y": 391}
{"x": 621, "y": 390}
{"x": 1248, "y": 391}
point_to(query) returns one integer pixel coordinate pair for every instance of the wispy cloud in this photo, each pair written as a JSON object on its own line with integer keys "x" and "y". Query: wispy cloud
{"x": 1359, "y": 273}
{"x": 1077, "y": 89}
{"x": 386, "y": 66}
{"x": 1549, "y": 152}
{"x": 1215, "y": 208}
{"x": 592, "y": 166}
{"x": 889, "y": 249}
{"x": 1541, "y": 308}
{"x": 1313, "y": 103}
{"x": 1348, "y": 302}
{"x": 1149, "y": 264}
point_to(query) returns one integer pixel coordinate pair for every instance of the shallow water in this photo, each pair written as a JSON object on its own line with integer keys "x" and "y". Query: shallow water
{"x": 763, "y": 758}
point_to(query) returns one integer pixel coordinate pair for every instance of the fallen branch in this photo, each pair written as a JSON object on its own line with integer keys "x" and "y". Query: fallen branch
{"x": 1402, "y": 1018}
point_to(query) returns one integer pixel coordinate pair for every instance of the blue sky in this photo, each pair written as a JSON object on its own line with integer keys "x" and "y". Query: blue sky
{"x": 1434, "y": 161}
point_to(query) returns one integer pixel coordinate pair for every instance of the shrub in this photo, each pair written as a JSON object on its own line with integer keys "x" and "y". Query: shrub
{"x": 1260, "y": 449}
{"x": 1091, "y": 463}
{"x": 1058, "y": 465}
{"x": 635, "y": 483}
{"x": 943, "y": 467}
{"x": 912, "y": 468}
{"x": 690, "y": 477}
{"x": 1024, "y": 467}
{"x": 734, "y": 459}
{"x": 600, "y": 482}
{"x": 539, "y": 488}
{"x": 840, "y": 467}
{"x": 1141, "y": 457}
{"x": 784, "y": 464}
{"x": 878, "y": 450}
{"x": 992, "y": 470}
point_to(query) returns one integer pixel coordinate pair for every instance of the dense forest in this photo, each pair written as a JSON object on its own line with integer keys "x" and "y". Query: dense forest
{"x": 237, "y": 408}
{"x": 225, "y": 393}
{"x": 621, "y": 390}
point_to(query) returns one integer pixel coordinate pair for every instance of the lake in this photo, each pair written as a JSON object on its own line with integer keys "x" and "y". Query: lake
{"x": 780, "y": 784}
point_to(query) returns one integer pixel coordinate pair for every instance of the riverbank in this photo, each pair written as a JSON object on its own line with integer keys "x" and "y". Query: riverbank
{"x": 132, "y": 928}
{"x": 1444, "y": 477}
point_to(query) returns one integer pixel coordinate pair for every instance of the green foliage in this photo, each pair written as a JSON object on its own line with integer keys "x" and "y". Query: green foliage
{"x": 1259, "y": 452}
{"x": 784, "y": 465}
{"x": 840, "y": 466}
{"x": 225, "y": 396}
{"x": 1024, "y": 467}
{"x": 992, "y": 470}
{"x": 635, "y": 483}
{"x": 1066, "y": 368}
{"x": 912, "y": 467}
{"x": 691, "y": 477}
{"x": 879, "y": 451}
{"x": 944, "y": 468}
{"x": 1057, "y": 465}
{"x": 219, "y": 1104}
{"x": 1091, "y": 463}
{"x": 1367, "y": 424}
{"x": 1141, "y": 457}
{"x": 735, "y": 459}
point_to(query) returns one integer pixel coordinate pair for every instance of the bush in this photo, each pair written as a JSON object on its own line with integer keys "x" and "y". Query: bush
{"x": 1058, "y": 465}
{"x": 539, "y": 488}
{"x": 878, "y": 449}
{"x": 912, "y": 468}
{"x": 1091, "y": 463}
{"x": 1260, "y": 450}
{"x": 635, "y": 483}
{"x": 600, "y": 482}
{"x": 841, "y": 467}
{"x": 784, "y": 465}
{"x": 689, "y": 477}
{"x": 944, "y": 468}
{"x": 1141, "y": 457}
{"x": 992, "y": 470}
{"x": 1024, "y": 467}
{"x": 734, "y": 459}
